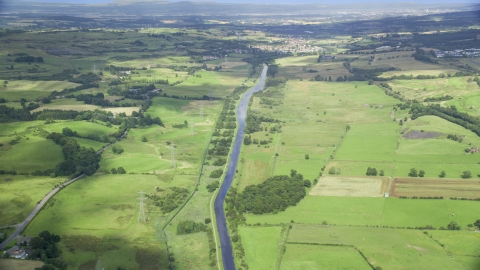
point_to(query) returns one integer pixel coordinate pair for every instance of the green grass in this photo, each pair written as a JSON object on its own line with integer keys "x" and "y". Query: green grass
{"x": 104, "y": 226}
{"x": 32, "y": 90}
{"x": 67, "y": 104}
{"x": 30, "y": 154}
{"x": 20, "y": 195}
{"x": 373, "y": 211}
{"x": 262, "y": 246}
{"x": 386, "y": 248}
{"x": 321, "y": 257}
{"x": 16, "y": 127}
{"x": 457, "y": 87}
{"x": 82, "y": 127}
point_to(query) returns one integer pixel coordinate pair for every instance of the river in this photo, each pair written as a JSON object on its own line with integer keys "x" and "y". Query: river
{"x": 226, "y": 245}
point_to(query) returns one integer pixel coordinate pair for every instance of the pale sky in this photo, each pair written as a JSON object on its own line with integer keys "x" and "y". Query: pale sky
{"x": 282, "y": 1}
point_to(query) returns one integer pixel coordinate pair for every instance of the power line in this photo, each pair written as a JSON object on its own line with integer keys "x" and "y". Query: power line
{"x": 141, "y": 214}
{"x": 192, "y": 127}
{"x": 173, "y": 163}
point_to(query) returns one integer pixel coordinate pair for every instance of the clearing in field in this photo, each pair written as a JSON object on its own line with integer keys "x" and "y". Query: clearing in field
{"x": 351, "y": 186}
{"x": 446, "y": 188}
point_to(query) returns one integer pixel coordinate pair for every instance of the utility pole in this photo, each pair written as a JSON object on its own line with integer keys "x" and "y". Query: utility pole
{"x": 192, "y": 127}
{"x": 141, "y": 214}
{"x": 173, "y": 163}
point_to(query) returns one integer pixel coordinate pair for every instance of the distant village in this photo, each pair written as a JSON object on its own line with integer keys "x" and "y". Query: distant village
{"x": 459, "y": 53}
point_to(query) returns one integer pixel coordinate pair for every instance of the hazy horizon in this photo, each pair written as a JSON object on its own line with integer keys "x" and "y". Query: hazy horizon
{"x": 275, "y": 1}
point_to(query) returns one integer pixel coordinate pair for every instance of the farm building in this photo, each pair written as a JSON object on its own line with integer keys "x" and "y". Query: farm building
{"x": 17, "y": 252}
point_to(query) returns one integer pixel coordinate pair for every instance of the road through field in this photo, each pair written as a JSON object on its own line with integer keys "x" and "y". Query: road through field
{"x": 24, "y": 224}
{"x": 226, "y": 245}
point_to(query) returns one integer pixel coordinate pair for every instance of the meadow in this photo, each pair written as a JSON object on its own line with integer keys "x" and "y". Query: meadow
{"x": 28, "y": 154}
{"x": 20, "y": 195}
{"x": 31, "y": 90}
{"x": 104, "y": 227}
{"x": 385, "y": 248}
{"x": 262, "y": 246}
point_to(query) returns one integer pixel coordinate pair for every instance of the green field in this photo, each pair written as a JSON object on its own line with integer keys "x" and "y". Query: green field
{"x": 20, "y": 195}
{"x": 386, "y": 248}
{"x": 313, "y": 257}
{"x": 262, "y": 246}
{"x": 29, "y": 154}
{"x": 31, "y": 90}
{"x": 104, "y": 226}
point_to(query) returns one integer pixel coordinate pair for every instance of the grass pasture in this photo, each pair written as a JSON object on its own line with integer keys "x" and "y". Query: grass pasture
{"x": 312, "y": 257}
{"x": 31, "y": 153}
{"x": 351, "y": 186}
{"x": 403, "y": 61}
{"x": 31, "y": 90}
{"x": 104, "y": 226}
{"x": 20, "y": 195}
{"x": 385, "y": 248}
{"x": 262, "y": 246}
{"x": 67, "y": 104}
{"x": 446, "y": 188}
{"x": 457, "y": 87}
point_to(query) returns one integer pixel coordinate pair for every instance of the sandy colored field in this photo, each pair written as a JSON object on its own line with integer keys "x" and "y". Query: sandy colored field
{"x": 19, "y": 264}
{"x": 127, "y": 110}
{"x": 351, "y": 186}
{"x": 446, "y": 188}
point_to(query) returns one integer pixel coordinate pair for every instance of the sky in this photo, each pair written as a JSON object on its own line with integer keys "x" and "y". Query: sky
{"x": 274, "y": 1}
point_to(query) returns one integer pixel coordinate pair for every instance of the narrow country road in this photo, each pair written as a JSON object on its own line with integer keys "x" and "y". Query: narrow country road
{"x": 225, "y": 243}
{"x": 24, "y": 224}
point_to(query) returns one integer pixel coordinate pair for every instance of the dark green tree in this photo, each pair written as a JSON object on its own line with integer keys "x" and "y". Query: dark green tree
{"x": 442, "y": 174}
{"x": 413, "y": 172}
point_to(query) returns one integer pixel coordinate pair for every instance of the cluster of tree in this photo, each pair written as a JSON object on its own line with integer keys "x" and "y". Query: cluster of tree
{"x": 477, "y": 79}
{"x": 117, "y": 149}
{"x": 449, "y": 113}
{"x": 373, "y": 172}
{"x": 78, "y": 159}
{"x": 88, "y": 80}
{"x": 454, "y": 137}
{"x": 28, "y": 59}
{"x": 227, "y": 120}
{"x": 94, "y": 137}
{"x": 423, "y": 198}
{"x": 273, "y": 195}
{"x": 98, "y": 99}
{"x": 413, "y": 173}
{"x": 254, "y": 121}
{"x": 190, "y": 226}
{"x": 437, "y": 99}
{"x": 216, "y": 173}
{"x": 220, "y": 162}
{"x": 10, "y": 114}
{"x": 466, "y": 174}
{"x": 171, "y": 200}
{"x": 213, "y": 186}
{"x": 120, "y": 170}
{"x": 421, "y": 55}
{"x": 275, "y": 82}
{"x": 44, "y": 247}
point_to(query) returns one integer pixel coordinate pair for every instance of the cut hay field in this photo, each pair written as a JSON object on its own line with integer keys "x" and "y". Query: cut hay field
{"x": 104, "y": 226}
{"x": 446, "y": 188}
{"x": 385, "y": 248}
{"x": 20, "y": 195}
{"x": 305, "y": 256}
{"x": 19, "y": 264}
{"x": 29, "y": 154}
{"x": 351, "y": 186}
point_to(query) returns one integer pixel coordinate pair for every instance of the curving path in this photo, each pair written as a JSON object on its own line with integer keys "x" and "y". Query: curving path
{"x": 225, "y": 243}
{"x": 24, "y": 224}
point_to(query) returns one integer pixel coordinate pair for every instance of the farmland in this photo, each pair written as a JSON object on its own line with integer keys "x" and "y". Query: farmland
{"x": 374, "y": 186}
